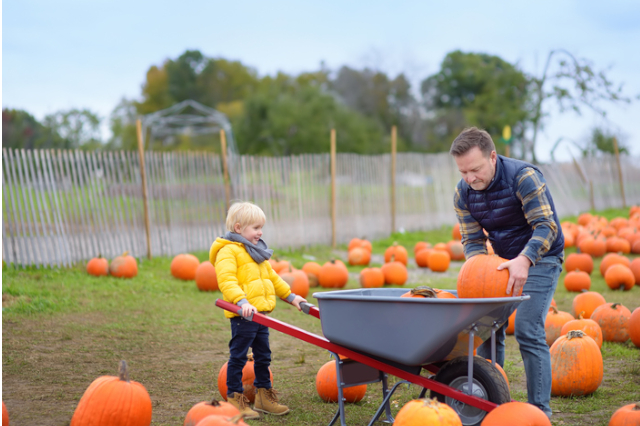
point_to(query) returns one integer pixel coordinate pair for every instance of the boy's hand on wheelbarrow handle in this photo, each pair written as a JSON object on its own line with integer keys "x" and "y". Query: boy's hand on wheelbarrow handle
{"x": 298, "y": 301}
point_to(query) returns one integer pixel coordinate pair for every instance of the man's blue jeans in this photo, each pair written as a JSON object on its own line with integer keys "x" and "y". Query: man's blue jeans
{"x": 245, "y": 334}
{"x": 530, "y": 317}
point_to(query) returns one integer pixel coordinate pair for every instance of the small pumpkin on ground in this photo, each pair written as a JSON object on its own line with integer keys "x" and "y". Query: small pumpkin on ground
{"x": 248, "y": 376}
{"x": 439, "y": 261}
{"x": 589, "y": 326}
{"x": 124, "y": 266}
{"x": 576, "y": 365}
{"x": 587, "y": 302}
{"x": 516, "y": 413}
{"x": 422, "y": 257}
{"x": 5, "y": 415}
{"x": 206, "y": 278}
{"x": 312, "y": 269}
{"x": 184, "y": 266}
{"x": 327, "y": 386}
{"x": 511, "y": 328}
{"x": 98, "y": 266}
{"x": 359, "y": 256}
{"x": 114, "y": 400}
{"x": 619, "y": 277}
{"x": 613, "y": 259}
{"x": 208, "y": 408}
{"x": 554, "y": 322}
{"x": 397, "y": 252}
{"x": 371, "y": 278}
{"x": 217, "y": 420}
{"x": 427, "y": 412}
{"x": 395, "y": 272}
{"x": 297, "y": 280}
{"x": 628, "y": 415}
{"x": 613, "y": 319}
{"x": 577, "y": 280}
{"x": 333, "y": 274}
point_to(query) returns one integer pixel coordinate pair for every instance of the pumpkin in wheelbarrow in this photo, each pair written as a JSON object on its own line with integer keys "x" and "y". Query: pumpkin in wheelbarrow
{"x": 479, "y": 277}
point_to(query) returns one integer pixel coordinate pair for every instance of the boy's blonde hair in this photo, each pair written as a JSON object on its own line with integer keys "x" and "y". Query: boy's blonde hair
{"x": 244, "y": 213}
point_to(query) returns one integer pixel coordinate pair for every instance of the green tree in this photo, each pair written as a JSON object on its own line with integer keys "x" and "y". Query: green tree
{"x": 602, "y": 141}
{"x": 80, "y": 128}
{"x": 574, "y": 84}
{"x": 286, "y": 118}
{"x": 474, "y": 89}
{"x": 123, "y": 126}
{"x": 20, "y": 129}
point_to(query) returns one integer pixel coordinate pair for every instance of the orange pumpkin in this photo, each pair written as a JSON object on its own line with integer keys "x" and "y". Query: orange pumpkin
{"x": 439, "y": 261}
{"x": 628, "y": 415}
{"x": 98, "y": 266}
{"x": 114, "y": 400}
{"x": 371, "y": 278}
{"x": 420, "y": 245}
{"x": 576, "y": 365}
{"x": 359, "y": 256}
{"x": 619, "y": 277}
{"x": 327, "y": 386}
{"x": 455, "y": 232}
{"x": 634, "y": 327}
{"x": 554, "y": 322}
{"x": 501, "y": 370}
{"x": 398, "y": 252}
{"x": 206, "y": 278}
{"x": 581, "y": 261}
{"x": 422, "y": 257}
{"x": 596, "y": 247}
{"x": 333, "y": 274}
{"x": 587, "y": 302}
{"x": 511, "y": 328}
{"x": 124, "y": 266}
{"x": 427, "y": 412}
{"x": 456, "y": 250}
{"x": 298, "y": 281}
{"x": 589, "y": 326}
{"x": 613, "y": 319}
{"x": 516, "y": 413}
{"x": 5, "y": 415}
{"x": 312, "y": 269}
{"x": 248, "y": 376}
{"x": 206, "y": 408}
{"x": 361, "y": 243}
{"x": 612, "y": 259}
{"x": 577, "y": 281}
{"x": 618, "y": 245}
{"x": 635, "y": 269}
{"x": 479, "y": 277}
{"x": 183, "y": 266}
{"x": 395, "y": 272}
{"x": 217, "y": 420}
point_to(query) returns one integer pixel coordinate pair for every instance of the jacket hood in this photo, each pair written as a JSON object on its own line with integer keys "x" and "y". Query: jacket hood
{"x": 217, "y": 245}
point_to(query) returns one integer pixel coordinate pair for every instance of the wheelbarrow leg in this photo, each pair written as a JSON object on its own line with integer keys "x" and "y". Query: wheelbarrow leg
{"x": 385, "y": 402}
{"x": 472, "y": 331}
{"x": 340, "y": 412}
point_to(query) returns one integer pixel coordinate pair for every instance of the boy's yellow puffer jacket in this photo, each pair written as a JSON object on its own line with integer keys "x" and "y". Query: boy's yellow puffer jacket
{"x": 240, "y": 277}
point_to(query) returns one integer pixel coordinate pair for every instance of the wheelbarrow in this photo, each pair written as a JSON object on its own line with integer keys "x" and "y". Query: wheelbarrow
{"x": 382, "y": 333}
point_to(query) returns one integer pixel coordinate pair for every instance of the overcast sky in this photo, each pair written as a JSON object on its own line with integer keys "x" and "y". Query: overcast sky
{"x": 91, "y": 53}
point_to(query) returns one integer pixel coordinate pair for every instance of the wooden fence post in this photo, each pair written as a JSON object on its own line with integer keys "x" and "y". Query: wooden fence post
{"x": 225, "y": 169}
{"x": 144, "y": 187}
{"x": 394, "y": 133}
{"x": 333, "y": 188}
{"x": 615, "y": 148}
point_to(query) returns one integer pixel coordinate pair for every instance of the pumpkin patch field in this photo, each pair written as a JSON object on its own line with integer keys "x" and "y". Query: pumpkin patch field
{"x": 64, "y": 328}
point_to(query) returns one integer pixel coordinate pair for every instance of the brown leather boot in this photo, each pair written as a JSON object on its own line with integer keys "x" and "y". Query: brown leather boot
{"x": 242, "y": 403}
{"x": 267, "y": 402}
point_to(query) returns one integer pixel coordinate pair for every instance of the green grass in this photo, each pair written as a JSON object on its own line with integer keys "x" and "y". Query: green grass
{"x": 63, "y": 328}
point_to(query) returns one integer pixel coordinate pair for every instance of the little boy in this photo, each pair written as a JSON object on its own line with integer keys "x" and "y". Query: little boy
{"x": 247, "y": 279}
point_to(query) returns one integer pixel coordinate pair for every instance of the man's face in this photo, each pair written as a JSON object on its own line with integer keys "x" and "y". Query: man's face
{"x": 476, "y": 169}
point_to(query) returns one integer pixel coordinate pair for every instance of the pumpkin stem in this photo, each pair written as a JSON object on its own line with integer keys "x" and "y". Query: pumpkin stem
{"x": 615, "y": 305}
{"x": 214, "y": 402}
{"x": 581, "y": 315}
{"x": 575, "y": 333}
{"x": 424, "y": 291}
{"x": 125, "y": 253}
{"x": 123, "y": 374}
{"x": 555, "y": 310}
{"x": 249, "y": 357}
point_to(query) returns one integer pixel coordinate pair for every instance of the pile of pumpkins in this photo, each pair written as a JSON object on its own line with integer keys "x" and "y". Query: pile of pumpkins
{"x": 123, "y": 266}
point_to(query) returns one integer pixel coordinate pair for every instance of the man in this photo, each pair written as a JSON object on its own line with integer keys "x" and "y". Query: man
{"x": 510, "y": 200}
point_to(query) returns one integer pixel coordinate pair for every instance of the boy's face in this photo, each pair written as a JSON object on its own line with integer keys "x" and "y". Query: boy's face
{"x": 253, "y": 232}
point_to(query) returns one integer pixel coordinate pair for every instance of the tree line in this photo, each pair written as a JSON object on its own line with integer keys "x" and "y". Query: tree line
{"x": 286, "y": 114}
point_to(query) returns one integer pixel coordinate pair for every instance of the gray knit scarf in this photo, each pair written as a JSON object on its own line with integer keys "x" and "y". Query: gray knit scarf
{"x": 258, "y": 252}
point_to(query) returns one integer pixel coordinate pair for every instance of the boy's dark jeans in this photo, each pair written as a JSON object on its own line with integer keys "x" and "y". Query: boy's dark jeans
{"x": 245, "y": 334}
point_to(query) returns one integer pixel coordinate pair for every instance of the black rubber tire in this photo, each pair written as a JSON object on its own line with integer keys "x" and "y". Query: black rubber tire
{"x": 488, "y": 383}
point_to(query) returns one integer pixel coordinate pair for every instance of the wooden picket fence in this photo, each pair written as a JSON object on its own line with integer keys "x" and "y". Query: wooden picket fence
{"x": 62, "y": 207}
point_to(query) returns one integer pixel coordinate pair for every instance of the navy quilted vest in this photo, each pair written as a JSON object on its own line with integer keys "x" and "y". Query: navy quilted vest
{"x": 498, "y": 210}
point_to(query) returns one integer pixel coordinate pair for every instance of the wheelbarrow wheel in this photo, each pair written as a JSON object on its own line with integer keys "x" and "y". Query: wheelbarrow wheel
{"x": 488, "y": 384}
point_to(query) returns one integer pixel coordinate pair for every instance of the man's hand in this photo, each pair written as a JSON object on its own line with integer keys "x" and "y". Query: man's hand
{"x": 297, "y": 301}
{"x": 518, "y": 273}
{"x": 248, "y": 309}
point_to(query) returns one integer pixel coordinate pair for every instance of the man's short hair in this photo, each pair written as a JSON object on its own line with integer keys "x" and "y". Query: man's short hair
{"x": 470, "y": 137}
{"x": 244, "y": 213}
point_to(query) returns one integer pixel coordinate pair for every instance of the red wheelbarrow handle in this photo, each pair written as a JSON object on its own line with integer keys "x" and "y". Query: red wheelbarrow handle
{"x": 322, "y": 342}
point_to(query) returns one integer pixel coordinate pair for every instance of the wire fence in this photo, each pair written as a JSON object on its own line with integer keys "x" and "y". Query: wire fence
{"x": 62, "y": 207}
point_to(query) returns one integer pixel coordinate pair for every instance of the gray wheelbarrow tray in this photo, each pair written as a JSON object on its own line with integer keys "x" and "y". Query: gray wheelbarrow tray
{"x": 409, "y": 331}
